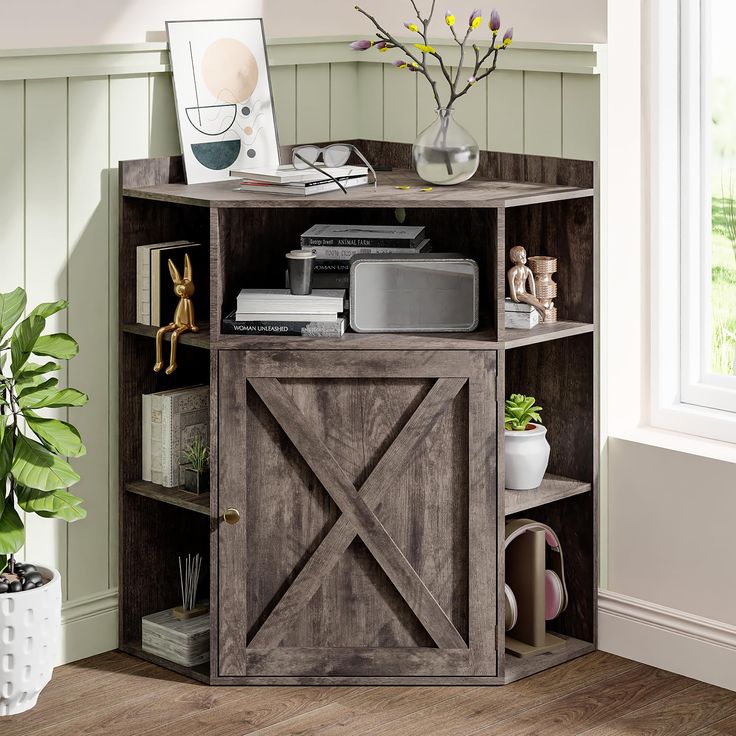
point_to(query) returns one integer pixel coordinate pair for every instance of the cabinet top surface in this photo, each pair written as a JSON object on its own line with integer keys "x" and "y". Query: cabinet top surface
{"x": 474, "y": 193}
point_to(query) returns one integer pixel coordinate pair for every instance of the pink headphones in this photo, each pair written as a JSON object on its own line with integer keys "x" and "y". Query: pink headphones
{"x": 555, "y": 589}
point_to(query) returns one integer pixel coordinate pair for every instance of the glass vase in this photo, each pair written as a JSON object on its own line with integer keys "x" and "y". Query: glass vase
{"x": 445, "y": 153}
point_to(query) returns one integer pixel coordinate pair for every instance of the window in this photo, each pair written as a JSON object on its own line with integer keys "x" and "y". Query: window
{"x": 690, "y": 89}
{"x": 708, "y": 203}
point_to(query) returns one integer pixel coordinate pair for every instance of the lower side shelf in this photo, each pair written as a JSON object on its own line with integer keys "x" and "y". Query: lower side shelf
{"x": 518, "y": 668}
{"x": 200, "y": 672}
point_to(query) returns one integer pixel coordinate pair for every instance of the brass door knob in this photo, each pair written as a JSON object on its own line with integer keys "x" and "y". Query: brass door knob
{"x": 232, "y": 516}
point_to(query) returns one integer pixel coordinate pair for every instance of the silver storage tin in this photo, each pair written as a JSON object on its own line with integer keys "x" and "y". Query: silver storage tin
{"x": 416, "y": 292}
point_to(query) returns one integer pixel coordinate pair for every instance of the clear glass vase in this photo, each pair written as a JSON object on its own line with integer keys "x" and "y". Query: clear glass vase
{"x": 445, "y": 153}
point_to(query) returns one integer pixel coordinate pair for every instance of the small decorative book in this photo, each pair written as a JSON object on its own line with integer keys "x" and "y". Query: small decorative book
{"x": 186, "y": 642}
{"x": 520, "y": 316}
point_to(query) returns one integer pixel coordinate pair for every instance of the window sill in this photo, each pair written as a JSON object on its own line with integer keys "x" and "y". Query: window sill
{"x": 683, "y": 442}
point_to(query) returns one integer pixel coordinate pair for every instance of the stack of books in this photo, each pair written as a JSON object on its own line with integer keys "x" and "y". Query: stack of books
{"x": 334, "y": 245}
{"x": 156, "y": 301}
{"x": 171, "y": 422}
{"x": 278, "y": 312}
{"x": 300, "y": 182}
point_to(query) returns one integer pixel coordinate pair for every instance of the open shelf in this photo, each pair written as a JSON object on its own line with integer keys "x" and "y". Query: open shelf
{"x": 553, "y": 488}
{"x": 516, "y": 668}
{"x": 199, "y": 339}
{"x": 475, "y": 193}
{"x": 515, "y": 338}
{"x": 173, "y": 496}
{"x": 201, "y": 672}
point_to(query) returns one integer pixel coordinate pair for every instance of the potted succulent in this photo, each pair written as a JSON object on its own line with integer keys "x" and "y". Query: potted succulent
{"x": 196, "y": 469}
{"x": 526, "y": 447}
{"x": 35, "y": 476}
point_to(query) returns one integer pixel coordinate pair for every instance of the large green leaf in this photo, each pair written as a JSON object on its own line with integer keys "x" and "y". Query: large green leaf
{"x": 12, "y": 535}
{"x": 37, "y": 386}
{"x": 24, "y": 338}
{"x": 35, "y": 467}
{"x": 57, "y": 504}
{"x": 59, "y": 345}
{"x": 12, "y": 305}
{"x": 31, "y": 370}
{"x": 41, "y": 398}
{"x": 58, "y": 436}
{"x": 46, "y": 309}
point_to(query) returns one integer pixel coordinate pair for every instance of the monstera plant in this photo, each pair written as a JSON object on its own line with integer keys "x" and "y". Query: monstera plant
{"x": 34, "y": 447}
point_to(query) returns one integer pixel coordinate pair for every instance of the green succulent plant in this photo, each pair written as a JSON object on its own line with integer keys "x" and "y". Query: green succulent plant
{"x": 197, "y": 455}
{"x": 520, "y": 412}
{"x": 33, "y": 470}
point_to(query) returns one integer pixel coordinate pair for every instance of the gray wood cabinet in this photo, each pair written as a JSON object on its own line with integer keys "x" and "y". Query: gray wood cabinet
{"x": 367, "y": 471}
{"x": 365, "y": 483}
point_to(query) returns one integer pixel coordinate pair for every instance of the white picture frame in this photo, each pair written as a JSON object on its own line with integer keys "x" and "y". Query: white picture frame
{"x": 224, "y": 103}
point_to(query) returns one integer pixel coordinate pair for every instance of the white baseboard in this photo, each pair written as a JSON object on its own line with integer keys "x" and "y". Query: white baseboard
{"x": 672, "y": 640}
{"x": 89, "y": 626}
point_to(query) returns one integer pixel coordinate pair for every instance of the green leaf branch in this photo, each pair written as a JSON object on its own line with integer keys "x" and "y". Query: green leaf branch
{"x": 34, "y": 471}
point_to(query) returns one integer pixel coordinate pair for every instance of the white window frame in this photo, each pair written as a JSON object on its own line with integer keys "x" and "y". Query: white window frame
{"x": 685, "y": 396}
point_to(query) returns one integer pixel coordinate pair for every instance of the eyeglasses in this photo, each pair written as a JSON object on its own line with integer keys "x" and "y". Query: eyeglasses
{"x": 337, "y": 154}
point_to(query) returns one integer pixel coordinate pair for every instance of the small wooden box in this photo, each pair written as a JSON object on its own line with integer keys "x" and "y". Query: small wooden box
{"x": 185, "y": 642}
{"x": 521, "y": 316}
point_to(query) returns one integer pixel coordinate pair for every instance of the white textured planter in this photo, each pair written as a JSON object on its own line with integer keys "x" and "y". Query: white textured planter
{"x": 526, "y": 457}
{"x": 30, "y": 622}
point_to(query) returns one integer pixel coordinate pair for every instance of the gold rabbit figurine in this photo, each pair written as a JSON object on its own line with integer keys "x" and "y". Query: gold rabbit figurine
{"x": 183, "y": 316}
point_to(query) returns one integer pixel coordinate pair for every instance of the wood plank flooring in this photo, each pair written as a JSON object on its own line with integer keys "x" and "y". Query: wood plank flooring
{"x": 597, "y": 695}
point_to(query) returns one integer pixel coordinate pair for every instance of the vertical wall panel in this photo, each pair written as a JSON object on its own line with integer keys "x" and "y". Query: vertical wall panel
{"x": 399, "y": 104}
{"x": 471, "y": 110}
{"x": 46, "y": 256}
{"x": 129, "y": 138}
{"x": 506, "y": 111}
{"x": 313, "y": 103}
{"x": 283, "y": 84}
{"x": 11, "y": 185}
{"x": 88, "y": 264}
{"x": 370, "y": 101}
{"x": 543, "y": 113}
{"x": 163, "y": 130}
{"x": 343, "y": 110}
{"x": 580, "y": 116}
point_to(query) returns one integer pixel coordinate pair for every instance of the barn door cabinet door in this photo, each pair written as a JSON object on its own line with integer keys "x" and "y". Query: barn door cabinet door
{"x": 366, "y": 487}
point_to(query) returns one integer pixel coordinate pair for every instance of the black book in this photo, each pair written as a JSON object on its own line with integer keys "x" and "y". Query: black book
{"x": 295, "y": 327}
{"x": 163, "y": 299}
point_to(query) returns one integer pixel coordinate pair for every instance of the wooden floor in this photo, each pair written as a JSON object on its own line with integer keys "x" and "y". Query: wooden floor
{"x": 597, "y": 695}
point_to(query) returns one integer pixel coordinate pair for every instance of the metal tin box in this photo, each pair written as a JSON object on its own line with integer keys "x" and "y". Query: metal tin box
{"x": 416, "y": 292}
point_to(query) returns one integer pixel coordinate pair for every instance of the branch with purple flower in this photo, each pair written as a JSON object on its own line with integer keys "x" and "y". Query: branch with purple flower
{"x": 486, "y": 53}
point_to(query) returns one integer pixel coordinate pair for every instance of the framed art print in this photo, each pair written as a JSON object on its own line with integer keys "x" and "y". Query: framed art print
{"x": 223, "y": 97}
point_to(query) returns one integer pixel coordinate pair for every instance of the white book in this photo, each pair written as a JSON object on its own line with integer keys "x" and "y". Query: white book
{"x": 303, "y": 190}
{"x": 185, "y": 415}
{"x": 146, "y": 441}
{"x": 273, "y": 317}
{"x": 290, "y": 175}
{"x": 338, "y": 253}
{"x": 281, "y": 301}
{"x": 156, "y": 438}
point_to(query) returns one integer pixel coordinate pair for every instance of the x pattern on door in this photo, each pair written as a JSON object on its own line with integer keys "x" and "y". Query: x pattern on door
{"x": 452, "y": 655}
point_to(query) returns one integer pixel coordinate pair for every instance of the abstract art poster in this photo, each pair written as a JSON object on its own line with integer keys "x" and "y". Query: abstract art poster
{"x": 223, "y": 97}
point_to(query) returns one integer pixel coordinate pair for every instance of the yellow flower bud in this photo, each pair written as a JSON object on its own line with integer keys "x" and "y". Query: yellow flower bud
{"x": 425, "y": 49}
{"x": 450, "y": 19}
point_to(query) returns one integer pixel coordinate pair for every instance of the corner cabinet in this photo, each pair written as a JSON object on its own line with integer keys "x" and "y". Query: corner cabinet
{"x": 365, "y": 484}
{"x": 355, "y": 526}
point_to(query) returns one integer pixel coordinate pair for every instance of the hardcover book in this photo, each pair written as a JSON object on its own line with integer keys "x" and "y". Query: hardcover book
{"x": 340, "y": 253}
{"x": 143, "y": 278}
{"x": 363, "y": 236}
{"x": 281, "y": 301}
{"x": 163, "y": 299}
{"x": 185, "y": 415}
{"x": 293, "y": 327}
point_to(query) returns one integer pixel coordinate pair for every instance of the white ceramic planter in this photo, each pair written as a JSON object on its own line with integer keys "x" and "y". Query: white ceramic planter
{"x": 526, "y": 457}
{"x": 30, "y": 622}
